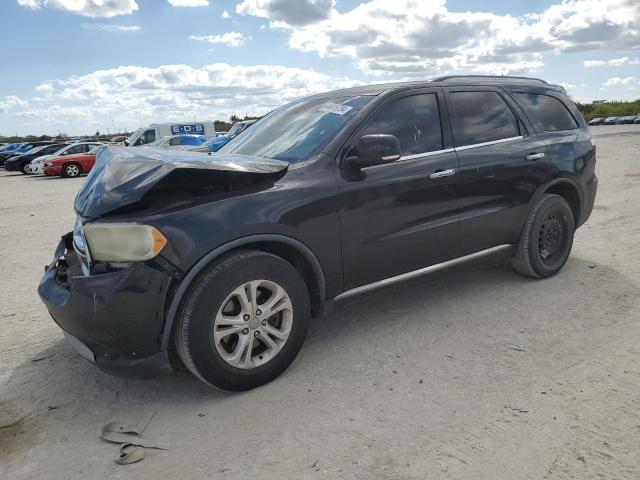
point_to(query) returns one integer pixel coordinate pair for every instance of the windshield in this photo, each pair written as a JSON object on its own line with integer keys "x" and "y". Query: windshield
{"x": 37, "y": 149}
{"x": 296, "y": 131}
{"x": 134, "y": 136}
{"x": 236, "y": 129}
{"x": 159, "y": 142}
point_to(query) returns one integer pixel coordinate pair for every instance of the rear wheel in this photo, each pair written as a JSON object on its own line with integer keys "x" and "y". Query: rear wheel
{"x": 243, "y": 321}
{"x": 547, "y": 238}
{"x": 26, "y": 168}
{"x": 71, "y": 170}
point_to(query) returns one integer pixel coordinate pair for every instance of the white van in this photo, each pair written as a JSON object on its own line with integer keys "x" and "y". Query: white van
{"x": 149, "y": 134}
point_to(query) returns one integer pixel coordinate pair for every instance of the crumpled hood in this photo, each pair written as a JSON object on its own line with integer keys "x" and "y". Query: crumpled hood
{"x": 122, "y": 176}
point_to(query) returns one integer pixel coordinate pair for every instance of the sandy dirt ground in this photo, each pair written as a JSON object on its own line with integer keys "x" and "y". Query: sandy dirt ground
{"x": 470, "y": 373}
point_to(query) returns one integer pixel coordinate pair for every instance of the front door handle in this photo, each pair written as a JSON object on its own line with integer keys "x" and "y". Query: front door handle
{"x": 534, "y": 156}
{"x": 443, "y": 173}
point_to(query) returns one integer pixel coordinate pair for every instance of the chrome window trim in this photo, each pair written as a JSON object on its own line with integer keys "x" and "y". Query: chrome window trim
{"x": 485, "y": 144}
{"x": 448, "y": 150}
{"x": 421, "y": 271}
{"x": 412, "y": 157}
{"x": 426, "y": 154}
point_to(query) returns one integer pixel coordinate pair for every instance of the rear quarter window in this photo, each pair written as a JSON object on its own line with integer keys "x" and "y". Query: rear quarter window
{"x": 481, "y": 117}
{"x": 546, "y": 112}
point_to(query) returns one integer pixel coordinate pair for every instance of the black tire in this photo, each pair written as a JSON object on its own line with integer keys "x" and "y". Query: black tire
{"x": 194, "y": 329}
{"x": 71, "y": 170}
{"x": 546, "y": 240}
{"x": 24, "y": 168}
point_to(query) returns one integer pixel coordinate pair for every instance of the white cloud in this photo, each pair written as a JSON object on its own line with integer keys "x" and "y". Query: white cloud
{"x": 231, "y": 39}
{"x": 567, "y": 86}
{"x": 135, "y": 96}
{"x": 226, "y": 14}
{"x": 594, "y": 63}
{"x": 110, "y": 27}
{"x": 620, "y": 81}
{"x": 12, "y": 102}
{"x": 403, "y": 37}
{"x": 614, "y": 62}
{"x": 189, "y": 3}
{"x": 288, "y": 12}
{"x": 87, "y": 8}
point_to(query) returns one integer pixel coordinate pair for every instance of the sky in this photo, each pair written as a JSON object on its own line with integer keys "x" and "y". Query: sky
{"x": 77, "y": 66}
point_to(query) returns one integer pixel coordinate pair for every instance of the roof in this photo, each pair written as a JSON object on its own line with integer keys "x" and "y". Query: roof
{"x": 449, "y": 81}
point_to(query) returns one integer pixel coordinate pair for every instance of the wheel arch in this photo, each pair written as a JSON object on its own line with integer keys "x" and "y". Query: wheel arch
{"x": 567, "y": 189}
{"x": 290, "y": 249}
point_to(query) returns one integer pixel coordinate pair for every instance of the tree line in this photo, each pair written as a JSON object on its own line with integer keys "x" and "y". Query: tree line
{"x": 609, "y": 109}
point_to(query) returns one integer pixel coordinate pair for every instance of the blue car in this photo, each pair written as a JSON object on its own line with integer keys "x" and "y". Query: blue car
{"x": 178, "y": 141}
{"x": 10, "y": 147}
{"x": 216, "y": 143}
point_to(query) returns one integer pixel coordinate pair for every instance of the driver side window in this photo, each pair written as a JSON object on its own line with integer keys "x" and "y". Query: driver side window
{"x": 414, "y": 120}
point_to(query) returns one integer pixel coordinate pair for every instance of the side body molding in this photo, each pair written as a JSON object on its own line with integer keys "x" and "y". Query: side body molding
{"x": 207, "y": 259}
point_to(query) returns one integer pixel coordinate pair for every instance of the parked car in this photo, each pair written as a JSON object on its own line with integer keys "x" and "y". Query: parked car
{"x": 612, "y": 121}
{"x": 9, "y": 147}
{"x": 149, "y": 134}
{"x": 216, "y": 143}
{"x": 637, "y": 120}
{"x": 336, "y": 194}
{"x": 596, "y": 121}
{"x": 37, "y": 165}
{"x": 22, "y": 163}
{"x": 178, "y": 141}
{"x": 627, "y": 120}
{"x": 71, "y": 165}
{"x": 25, "y": 147}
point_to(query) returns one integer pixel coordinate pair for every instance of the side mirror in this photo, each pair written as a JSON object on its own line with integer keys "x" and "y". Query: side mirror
{"x": 376, "y": 149}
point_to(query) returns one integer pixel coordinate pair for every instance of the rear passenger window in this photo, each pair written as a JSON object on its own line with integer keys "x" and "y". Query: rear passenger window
{"x": 547, "y": 113}
{"x": 480, "y": 117}
{"x": 415, "y": 120}
{"x": 74, "y": 150}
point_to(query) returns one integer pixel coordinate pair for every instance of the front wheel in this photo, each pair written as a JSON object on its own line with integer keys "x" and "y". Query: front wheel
{"x": 26, "y": 168}
{"x": 243, "y": 321}
{"x": 547, "y": 238}
{"x": 71, "y": 170}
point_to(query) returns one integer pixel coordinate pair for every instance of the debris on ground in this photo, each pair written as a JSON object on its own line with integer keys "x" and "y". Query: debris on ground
{"x": 131, "y": 440}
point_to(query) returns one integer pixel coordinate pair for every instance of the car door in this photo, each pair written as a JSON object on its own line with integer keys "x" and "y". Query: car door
{"x": 402, "y": 216}
{"x": 503, "y": 162}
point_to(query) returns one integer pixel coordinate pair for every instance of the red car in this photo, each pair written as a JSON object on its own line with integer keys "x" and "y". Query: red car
{"x": 70, "y": 165}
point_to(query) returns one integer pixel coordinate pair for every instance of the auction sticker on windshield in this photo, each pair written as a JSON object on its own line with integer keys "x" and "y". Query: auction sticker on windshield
{"x": 337, "y": 108}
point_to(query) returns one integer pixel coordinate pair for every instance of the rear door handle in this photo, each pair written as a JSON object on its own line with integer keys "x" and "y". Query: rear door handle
{"x": 443, "y": 173}
{"x": 534, "y": 156}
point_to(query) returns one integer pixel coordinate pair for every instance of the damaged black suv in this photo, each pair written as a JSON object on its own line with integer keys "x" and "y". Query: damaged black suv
{"x": 225, "y": 258}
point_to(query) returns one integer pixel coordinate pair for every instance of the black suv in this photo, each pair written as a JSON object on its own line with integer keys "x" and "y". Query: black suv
{"x": 225, "y": 258}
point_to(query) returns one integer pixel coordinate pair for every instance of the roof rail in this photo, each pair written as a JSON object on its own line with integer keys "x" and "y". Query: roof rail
{"x": 493, "y": 78}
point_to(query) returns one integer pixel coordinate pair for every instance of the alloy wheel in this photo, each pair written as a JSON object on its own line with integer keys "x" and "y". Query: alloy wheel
{"x": 72, "y": 170}
{"x": 253, "y": 324}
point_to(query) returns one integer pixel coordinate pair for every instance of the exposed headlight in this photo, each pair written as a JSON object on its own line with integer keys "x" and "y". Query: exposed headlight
{"x": 123, "y": 242}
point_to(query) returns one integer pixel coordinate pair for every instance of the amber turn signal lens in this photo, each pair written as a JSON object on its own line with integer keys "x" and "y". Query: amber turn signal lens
{"x": 159, "y": 240}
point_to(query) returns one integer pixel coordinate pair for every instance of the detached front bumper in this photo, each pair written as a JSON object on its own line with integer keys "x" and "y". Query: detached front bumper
{"x": 114, "y": 319}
